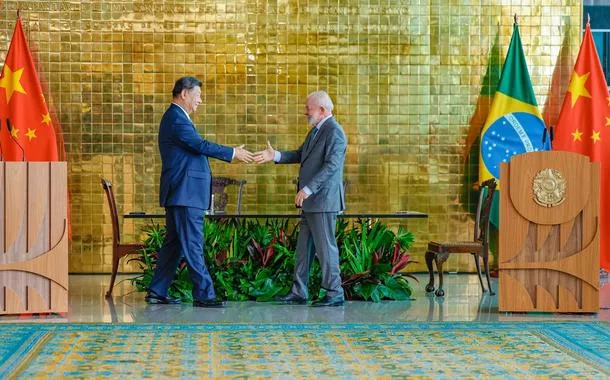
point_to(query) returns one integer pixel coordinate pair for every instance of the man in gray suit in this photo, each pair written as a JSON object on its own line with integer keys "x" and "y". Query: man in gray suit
{"x": 321, "y": 196}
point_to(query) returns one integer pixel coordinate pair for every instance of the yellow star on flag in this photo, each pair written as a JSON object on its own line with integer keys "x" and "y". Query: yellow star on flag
{"x": 595, "y": 136}
{"x": 609, "y": 101}
{"x": 46, "y": 119}
{"x": 577, "y": 135}
{"x": 577, "y": 87}
{"x": 15, "y": 132}
{"x": 10, "y": 82}
{"x": 607, "y": 121}
{"x": 31, "y": 134}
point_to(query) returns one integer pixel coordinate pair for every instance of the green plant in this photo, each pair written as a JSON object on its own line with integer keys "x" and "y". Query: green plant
{"x": 373, "y": 257}
{"x": 218, "y": 237}
{"x": 270, "y": 250}
{"x": 253, "y": 260}
{"x": 147, "y": 261}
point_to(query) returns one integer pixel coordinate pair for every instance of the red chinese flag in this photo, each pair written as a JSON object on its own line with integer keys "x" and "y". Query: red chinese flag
{"x": 584, "y": 127}
{"x": 22, "y": 102}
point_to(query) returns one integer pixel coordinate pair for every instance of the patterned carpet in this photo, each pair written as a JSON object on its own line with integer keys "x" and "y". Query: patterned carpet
{"x": 435, "y": 349}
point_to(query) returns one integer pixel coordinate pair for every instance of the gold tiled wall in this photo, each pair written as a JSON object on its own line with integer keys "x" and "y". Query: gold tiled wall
{"x": 410, "y": 79}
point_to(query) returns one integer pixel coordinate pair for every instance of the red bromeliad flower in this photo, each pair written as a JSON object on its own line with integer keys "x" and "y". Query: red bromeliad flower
{"x": 269, "y": 253}
{"x": 375, "y": 258}
{"x": 221, "y": 257}
{"x": 265, "y": 254}
{"x": 399, "y": 259}
{"x": 283, "y": 238}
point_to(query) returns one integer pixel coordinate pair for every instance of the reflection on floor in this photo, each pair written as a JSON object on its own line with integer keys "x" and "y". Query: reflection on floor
{"x": 463, "y": 302}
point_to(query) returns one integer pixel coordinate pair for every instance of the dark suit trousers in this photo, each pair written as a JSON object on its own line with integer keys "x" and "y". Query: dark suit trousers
{"x": 184, "y": 238}
{"x": 317, "y": 237}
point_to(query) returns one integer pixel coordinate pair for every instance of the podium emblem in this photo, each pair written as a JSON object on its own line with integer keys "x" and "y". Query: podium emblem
{"x": 549, "y": 187}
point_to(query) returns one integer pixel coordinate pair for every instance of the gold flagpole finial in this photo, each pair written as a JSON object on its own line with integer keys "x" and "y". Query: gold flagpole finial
{"x": 516, "y": 19}
{"x": 18, "y": 12}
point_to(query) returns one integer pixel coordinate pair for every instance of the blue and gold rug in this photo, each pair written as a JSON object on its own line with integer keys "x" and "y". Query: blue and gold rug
{"x": 435, "y": 349}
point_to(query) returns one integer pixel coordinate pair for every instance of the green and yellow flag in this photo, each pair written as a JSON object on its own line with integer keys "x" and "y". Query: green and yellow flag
{"x": 514, "y": 124}
{"x": 486, "y": 95}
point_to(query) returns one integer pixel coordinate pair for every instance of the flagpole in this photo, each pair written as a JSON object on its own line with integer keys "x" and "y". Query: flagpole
{"x": 516, "y": 19}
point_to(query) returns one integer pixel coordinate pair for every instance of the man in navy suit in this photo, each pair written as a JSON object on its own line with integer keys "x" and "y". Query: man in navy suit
{"x": 185, "y": 192}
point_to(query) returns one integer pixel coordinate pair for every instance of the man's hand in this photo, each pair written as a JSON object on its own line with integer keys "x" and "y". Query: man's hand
{"x": 265, "y": 155}
{"x": 242, "y": 154}
{"x": 301, "y": 196}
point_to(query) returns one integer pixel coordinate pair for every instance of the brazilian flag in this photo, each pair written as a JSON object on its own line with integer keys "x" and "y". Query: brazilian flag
{"x": 514, "y": 124}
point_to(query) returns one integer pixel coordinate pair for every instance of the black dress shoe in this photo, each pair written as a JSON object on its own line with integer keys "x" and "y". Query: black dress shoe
{"x": 155, "y": 299}
{"x": 290, "y": 299}
{"x": 208, "y": 303}
{"x": 329, "y": 301}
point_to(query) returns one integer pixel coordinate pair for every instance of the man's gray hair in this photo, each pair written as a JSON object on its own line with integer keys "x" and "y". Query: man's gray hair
{"x": 323, "y": 99}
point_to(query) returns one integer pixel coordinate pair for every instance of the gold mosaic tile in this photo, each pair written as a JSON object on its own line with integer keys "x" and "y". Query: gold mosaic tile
{"x": 406, "y": 77}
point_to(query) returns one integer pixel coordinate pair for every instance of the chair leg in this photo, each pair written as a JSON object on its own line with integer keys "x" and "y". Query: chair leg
{"x": 429, "y": 258}
{"x": 486, "y": 266}
{"x": 115, "y": 269}
{"x": 478, "y": 264}
{"x": 439, "y": 268}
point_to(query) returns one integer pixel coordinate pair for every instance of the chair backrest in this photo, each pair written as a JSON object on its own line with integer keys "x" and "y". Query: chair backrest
{"x": 107, "y": 185}
{"x": 481, "y": 225}
{"x": 221, "y": 198}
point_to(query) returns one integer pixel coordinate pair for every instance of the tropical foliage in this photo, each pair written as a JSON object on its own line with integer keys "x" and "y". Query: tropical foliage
{"x": 254, "y": 260}
{"x": 372, "y": 257}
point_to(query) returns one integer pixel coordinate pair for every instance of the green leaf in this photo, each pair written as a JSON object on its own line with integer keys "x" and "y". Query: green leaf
{"x": 366, "y": 290}
{"x": 240, "y": 276}
{"x": 381, "y": 268}
{"x": 375, "y": 295}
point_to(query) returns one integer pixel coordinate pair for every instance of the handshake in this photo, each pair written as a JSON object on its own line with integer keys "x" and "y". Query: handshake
{"x": 263, "y": 156}
{"x": 259, "y": 157}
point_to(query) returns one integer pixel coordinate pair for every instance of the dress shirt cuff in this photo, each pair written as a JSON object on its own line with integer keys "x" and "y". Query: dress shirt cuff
{"x": 307, "y": 191}
{"x": 233, "y": 156}
{"x": 277, "y": 157}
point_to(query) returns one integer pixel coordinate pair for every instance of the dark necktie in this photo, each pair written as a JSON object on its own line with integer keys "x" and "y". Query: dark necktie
{"x": 312, "y": 136}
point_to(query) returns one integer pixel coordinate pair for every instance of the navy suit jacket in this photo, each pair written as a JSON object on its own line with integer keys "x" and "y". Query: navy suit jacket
{"x": 186, "y": 179}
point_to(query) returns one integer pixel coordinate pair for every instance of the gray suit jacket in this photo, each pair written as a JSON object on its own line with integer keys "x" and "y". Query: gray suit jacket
{"x": 321, "y": 167}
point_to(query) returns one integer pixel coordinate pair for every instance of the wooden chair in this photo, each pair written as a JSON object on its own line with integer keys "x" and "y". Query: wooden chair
{"x": 221, "y": 198}
{"x": 479, "y": 247}
{"x": 119, "y": 250}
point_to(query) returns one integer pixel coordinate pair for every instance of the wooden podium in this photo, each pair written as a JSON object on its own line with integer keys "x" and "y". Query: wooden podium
{"x": 549, "y": 233}
{"x": 33, "y": 237}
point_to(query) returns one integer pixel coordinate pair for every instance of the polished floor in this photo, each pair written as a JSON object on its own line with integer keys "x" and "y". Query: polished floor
{"x": 463, "y": 302}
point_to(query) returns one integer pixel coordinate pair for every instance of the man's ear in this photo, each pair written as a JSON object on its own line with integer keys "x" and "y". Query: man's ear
{"x": 183, "y": 93}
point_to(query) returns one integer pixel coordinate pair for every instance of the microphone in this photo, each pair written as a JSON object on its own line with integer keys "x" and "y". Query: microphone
{"x": 10, "y": 130}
